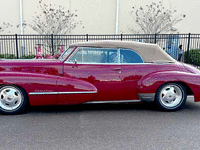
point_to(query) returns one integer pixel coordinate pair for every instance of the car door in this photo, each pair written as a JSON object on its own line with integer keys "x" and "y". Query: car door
{"x": 133, "y": 69}
{"x": 98, "y": 66}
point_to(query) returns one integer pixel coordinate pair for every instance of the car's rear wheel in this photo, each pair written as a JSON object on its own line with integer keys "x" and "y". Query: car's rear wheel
{"x": 12, "y": 99}
{"x": 171, "y": 96}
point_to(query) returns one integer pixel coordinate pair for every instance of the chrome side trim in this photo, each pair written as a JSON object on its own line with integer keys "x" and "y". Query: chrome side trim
{"x": 149, "y": 97}
{"x": 42, "y": 93}
{"x": 120, "y": 101}
{"x": 82, "y": 92}
{"x": 107, "y": 63}
{"x": 145, "y": 63}
{"x": 50, "y": 93}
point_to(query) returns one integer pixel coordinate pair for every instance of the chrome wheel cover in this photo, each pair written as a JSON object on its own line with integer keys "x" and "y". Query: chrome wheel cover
{"x": 10, "y": 98}
{"x": 171, "y": 95}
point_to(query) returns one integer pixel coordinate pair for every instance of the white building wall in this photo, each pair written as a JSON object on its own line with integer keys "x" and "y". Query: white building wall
{"x": 9, "y": 13}
{"x": 99, "y": 16}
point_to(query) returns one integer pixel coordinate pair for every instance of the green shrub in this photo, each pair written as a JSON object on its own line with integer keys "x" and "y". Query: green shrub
{"x": 8, "y": 56}
{"x": 29, "y": 56}
{"x": 194, "y": 57}
{"x": 2, "y": 56}
{"x": 12, "y": 56}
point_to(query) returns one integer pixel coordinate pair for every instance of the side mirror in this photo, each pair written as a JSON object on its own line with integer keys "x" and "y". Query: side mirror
{"x": 75, "y": 63}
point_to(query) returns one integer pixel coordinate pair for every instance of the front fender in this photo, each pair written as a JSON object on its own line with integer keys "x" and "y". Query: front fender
{"x": 151, "y": 82}
{"x": 75, "y": 91}
{"x": 50, "y": 89}
{"x": 33, "y": 83}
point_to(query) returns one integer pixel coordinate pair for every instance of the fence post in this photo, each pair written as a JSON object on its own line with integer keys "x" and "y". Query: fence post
{"x": 188, "y": 47}
{"x": 155, "y": 38}
{"x": 52, "y": 44}
{"x": 121, "y": 36}
{"x": 87, "y": 37}
{"x": 17, "y": 46}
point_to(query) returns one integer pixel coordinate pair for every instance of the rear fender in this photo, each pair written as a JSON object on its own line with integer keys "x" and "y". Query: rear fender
{"x": 151, "y": 82}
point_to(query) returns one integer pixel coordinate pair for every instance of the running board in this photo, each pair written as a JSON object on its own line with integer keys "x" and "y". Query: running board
{"x": 104, "y": 102}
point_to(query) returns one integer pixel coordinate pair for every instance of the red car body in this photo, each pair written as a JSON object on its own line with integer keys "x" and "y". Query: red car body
{"x": 57, "y": 82}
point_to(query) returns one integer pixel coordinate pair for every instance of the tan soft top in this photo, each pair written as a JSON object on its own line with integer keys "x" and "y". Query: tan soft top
{"x": 148, "y": 52}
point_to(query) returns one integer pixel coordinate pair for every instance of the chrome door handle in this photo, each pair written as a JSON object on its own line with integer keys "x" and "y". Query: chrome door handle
{"x": 116, "y": 69}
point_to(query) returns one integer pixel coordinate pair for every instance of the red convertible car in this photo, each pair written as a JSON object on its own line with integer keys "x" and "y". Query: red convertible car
{"x": 98, "y": 72}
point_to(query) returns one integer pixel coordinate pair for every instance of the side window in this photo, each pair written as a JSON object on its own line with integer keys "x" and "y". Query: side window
{"x": 66, "y": 53}
{"x": 130, "y": 56}
{"x": 77, "y": 56}
{"x": 95, "y": 55}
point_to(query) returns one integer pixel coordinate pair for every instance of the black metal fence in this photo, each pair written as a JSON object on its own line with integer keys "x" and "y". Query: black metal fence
{"x": 25, "y": 46}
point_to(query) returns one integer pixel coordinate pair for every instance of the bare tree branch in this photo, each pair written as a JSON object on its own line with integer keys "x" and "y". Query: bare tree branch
{"x": 155, "y": 19}
{"x": 4, "y": 26}
{"x": 53, "y": 20}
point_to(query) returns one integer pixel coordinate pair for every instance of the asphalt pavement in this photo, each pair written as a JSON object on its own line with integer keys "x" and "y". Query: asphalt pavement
{"x": 102, "y": 127}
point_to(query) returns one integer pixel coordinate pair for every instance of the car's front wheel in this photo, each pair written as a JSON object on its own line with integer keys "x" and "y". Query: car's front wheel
{"x": 12, "y": 99}
{"x": 171, "y": 96}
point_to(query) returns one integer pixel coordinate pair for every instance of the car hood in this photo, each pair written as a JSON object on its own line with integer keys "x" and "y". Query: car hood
{"x": 43, "y": 66}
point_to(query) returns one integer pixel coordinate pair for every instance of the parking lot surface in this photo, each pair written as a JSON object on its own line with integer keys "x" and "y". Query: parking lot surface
{"x": 103, "y": 126}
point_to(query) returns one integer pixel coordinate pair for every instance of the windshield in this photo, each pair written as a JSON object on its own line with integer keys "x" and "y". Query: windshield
{"x": 66, "y": 53}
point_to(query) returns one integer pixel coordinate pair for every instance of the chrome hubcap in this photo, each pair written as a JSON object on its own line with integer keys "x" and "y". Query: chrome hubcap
{"x": 10, "y": 98}
{"x": 171, "y": 95}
